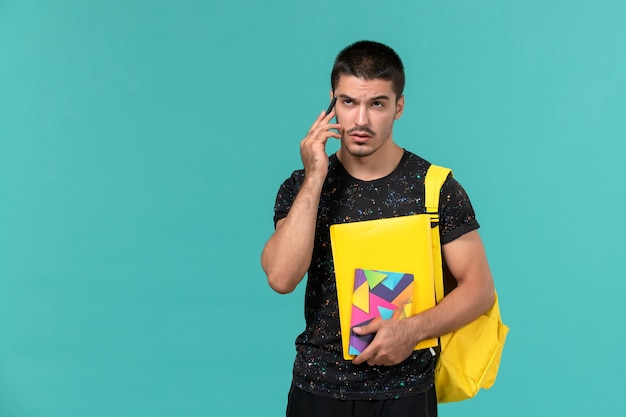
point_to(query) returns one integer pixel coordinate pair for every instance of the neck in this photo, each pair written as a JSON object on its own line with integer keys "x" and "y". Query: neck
{"x": 368, "y": 168}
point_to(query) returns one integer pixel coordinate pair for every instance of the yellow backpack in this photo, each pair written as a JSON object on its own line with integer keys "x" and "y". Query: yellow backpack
{"x": 470, "y": 356}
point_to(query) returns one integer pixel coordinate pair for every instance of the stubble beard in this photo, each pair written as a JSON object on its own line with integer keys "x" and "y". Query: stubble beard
{"x": 363, "y": 150}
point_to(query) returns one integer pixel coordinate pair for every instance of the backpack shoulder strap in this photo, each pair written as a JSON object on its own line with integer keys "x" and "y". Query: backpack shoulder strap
{"x": 435, "y": 177}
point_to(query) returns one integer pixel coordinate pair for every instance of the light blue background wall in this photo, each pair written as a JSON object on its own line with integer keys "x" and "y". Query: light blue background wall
{"x": 142, "y": 144}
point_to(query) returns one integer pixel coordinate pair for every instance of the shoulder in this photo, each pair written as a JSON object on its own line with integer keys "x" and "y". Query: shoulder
{"x": 294, "y": 181}
{"x": 412, "y": 166}
{"x": 457, "y": 215}
{"x": 411, "y": 159}
{"x": 451, "y": 185}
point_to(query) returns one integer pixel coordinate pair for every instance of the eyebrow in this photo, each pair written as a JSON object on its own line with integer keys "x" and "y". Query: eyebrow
{"x": 376, "y": 98}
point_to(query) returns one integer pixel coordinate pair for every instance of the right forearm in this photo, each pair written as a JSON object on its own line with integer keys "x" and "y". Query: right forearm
{"x": 287, "y": 255}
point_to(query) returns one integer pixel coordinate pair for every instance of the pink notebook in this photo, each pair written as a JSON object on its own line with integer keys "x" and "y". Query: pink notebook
{"x": 378, "y": 295}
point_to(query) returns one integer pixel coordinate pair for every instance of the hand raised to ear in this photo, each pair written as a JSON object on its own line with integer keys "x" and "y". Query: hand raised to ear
{"x": 313, "y": 146}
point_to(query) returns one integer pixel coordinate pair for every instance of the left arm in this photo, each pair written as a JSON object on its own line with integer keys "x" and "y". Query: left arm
{"x": 473, "y": 296}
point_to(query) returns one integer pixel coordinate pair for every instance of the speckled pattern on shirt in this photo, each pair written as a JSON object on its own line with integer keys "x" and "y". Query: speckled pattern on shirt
{"x": 319, "y": 366}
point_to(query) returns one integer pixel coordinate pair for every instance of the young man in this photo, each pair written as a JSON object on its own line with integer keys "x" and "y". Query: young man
{"x": 370, "y": 177}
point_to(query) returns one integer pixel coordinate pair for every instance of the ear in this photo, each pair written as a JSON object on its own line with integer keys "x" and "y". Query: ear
{"x": 399, "y": 108}
{"x": 332, "y": 94}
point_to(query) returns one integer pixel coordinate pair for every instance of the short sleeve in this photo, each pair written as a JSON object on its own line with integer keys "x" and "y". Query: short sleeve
{"x": 287, "y": 194}
{"x": 457, "y": 215}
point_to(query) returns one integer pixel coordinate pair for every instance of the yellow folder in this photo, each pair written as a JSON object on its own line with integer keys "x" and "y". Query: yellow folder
{"x": 400, "y": 244}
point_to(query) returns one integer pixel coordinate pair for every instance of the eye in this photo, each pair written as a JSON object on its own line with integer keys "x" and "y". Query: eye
{"x": 347, "y": 101}
{"x": 377, "y": 104}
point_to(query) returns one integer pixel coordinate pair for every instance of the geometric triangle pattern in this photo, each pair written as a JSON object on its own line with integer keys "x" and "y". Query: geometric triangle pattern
{"x": 392, "y": 279}
{"x": 378, "y": 295}
{"x": 406, "y": 311}
{"x": 359, "y": 278}
{"x": 373, "y": 277}
{"x": 361, "y": 298}
{"x": 385, "y": 313}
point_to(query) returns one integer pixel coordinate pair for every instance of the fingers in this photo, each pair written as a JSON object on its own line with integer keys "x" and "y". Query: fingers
{"x": 362, "y": 358}
{"x": 390, "y": 346}
{"x": 322, "y": 124}
{"x": 318, "y": 122}
{"x": 372, "y": 327}
{"x": 326, "y": 117}
{"x": 369, "y": 354}
{"x": 323, "y": 119}
{"x": 372, "y": 356}
{"x": 320, "y": 132}
{"x": 313, "y": 146}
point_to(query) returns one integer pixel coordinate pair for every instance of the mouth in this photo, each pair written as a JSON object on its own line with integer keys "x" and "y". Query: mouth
{"x": 360, "y": 137}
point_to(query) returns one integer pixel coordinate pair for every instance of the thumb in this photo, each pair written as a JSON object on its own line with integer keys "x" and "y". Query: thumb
{"x": 369, "y": 328}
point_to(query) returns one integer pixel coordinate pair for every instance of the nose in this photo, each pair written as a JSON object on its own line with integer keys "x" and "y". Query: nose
{"x": 362, "y": 116}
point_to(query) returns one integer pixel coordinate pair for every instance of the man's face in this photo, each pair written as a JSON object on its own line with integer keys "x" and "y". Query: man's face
{"x": 366, "y": 110}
